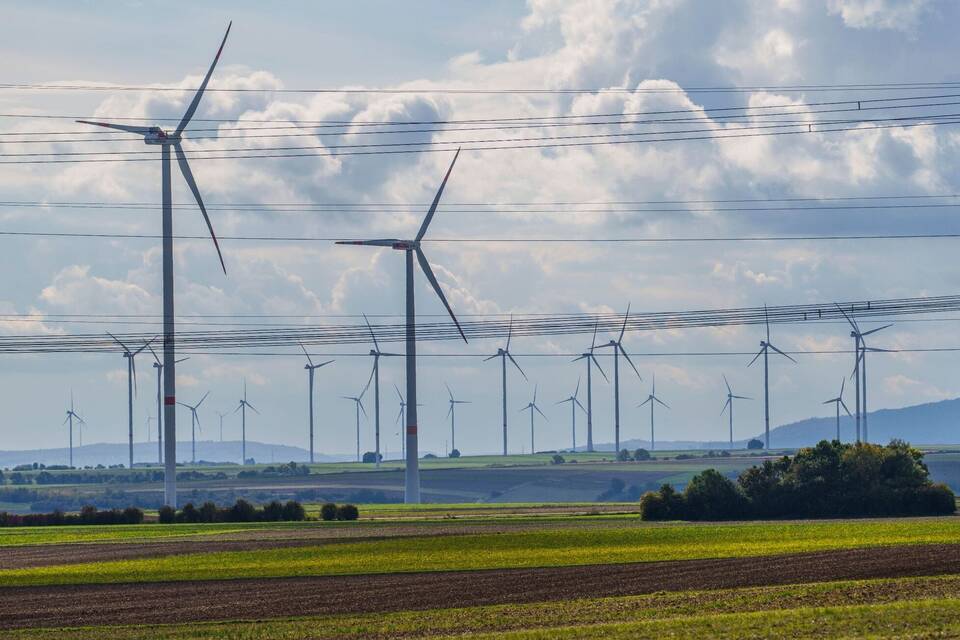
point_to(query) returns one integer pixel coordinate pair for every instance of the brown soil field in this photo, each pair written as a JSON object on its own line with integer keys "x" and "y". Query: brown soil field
{"x": 154, "y": 603}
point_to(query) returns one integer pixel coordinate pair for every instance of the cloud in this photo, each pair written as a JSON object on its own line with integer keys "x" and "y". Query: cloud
{"x": 901, "y": 15}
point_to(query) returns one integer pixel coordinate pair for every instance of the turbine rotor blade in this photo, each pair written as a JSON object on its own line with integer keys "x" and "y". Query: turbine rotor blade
{"x": 305, "y": 353}
{"x": 780, "y": 352}
{"x": 624, "y": 352}
{"x": 370, "y": 329}
{"x": 517, "y": 366}
{"x": 436, "y": 200}
{"x": 866, "y": 333}
{"x": 729, "y": 390}
{"x": 427, "y": 271}
{"x": 203, "y": 85}
{"x": 624, "y": 328}
{"x": 201, "y": 400}
{"x": 597, "y": 363}
{"x": 188, "y": 176}
{"x": 120, "y": 127}
{"x": 662, "y": 402}
{"x": 509, "y": 333}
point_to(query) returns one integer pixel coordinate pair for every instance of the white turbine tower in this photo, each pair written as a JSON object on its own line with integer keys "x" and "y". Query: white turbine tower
{"x": 71, "y": 416}
{"x": 860, "y": 349}
{"x": 242, "y": 408}
{"x": 451, "y": 413}
{"x": 532, "y": 406}
{"x": 617, "y": 346}
{"x": 765, "y": 346}
{"x": 504, "y": 355}
{"x": 131, "y": 385}
{"x": 375, "y": 378}
{"x": 358, "y": 401}
{"x": 838, "y": 401}
{"x": 311, "y": 368}
{"x": 574, "y": 403}
{"x": 728, "y": 406}
{"x": 159, "y": 367}
{"x": 411, "y": 247}
{"x": 591, "y": 361}
{"x": 194, "y": 424}
{"x": 158, "y": 137}
{"x": 652, "y": 399}
{"x": 221, "y": 415}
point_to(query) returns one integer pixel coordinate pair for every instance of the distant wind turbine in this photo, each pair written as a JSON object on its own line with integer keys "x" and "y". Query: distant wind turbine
{"x": 411, "y": 247}
{"x": 131, "y": 385}
{"x": 242, "y": 408}
{"x": 728, "y": 406}
{"x": 71, "y": 416}
{"x": 157, "y": 136}
{"x": 591, "y": 361}
{"x": 617, "y": 346}
{"x": 531, "y": 407}
{"x": 860, "y": 349}
{"x": 375, "y": 378}
{"x": 574, "y": 404}
{"x": 838, "y": 401}
{"x": 504, "y": 355}
{"x": 451, "y": 413}
{"x": 159, "y": 367}
{"x": 310, "y": 367}
{"x": 765, "y": 346}
{"x": 652, "y": 399}
{"x": 194, "y": 425}
{"x": 358, "y": 401}
{"x": 221, "y": 415}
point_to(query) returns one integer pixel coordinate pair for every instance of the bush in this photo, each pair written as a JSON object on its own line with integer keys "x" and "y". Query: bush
{"x": 209, "y": 512}
{"x": 755, "y": 444}
{"x": 293, "y": 511}
{"x": 641, "y": 454}
{"x": 132, "y": 515}
{"x": 623, "y": 455}
{"x": 665, "y": 504}
{"x": 557, "y": 459}
{"x": 712, "y": 496}
{"x": 273, "y": 512}
{"x": 370, "y": 457}
{"x": 188, "y": 513}
{"x": 166, "y": 515}
{"x": 242, "y": 511}
{"x": 328, "y": 511}
{"x": 347, "y": 512}
{"x": 454, "y": 453}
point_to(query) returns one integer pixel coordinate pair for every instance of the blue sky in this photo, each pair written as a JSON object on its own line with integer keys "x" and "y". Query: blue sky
{"x": 639, "y": 45}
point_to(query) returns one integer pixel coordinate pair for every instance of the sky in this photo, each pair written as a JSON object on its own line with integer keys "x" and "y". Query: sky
{"x": 654, "y": 54}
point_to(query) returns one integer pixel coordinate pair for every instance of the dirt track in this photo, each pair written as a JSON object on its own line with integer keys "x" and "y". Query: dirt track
{"x": 267, "y": 598}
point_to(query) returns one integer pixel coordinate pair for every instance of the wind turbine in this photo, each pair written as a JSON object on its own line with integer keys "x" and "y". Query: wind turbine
{"x": 358, "y": 401}
{"x": 452, "y": 415}
{"x": 71, "y": 415}
{"x": 860, "y": 349}
{"x": 157, "y": 136}
{"x": 242, "y": 408}
{"x": 194, "y": 423}
{"x": 617, "y": 346}
{"x": 838, "y": 401}
{"x": 401, "y": 418}
{"x": 591, "y": 360}
{"x": 532, "y": 406}
{"x": 652, "y": 399}
{"x": 375, "y": 377}
{"x": 411, "y": 247}
{"x": 222, "y": 416}
{"x": 159, "y": 367}
{"x": 765, "y": 346}
{"x": 728, "y": 406}
{"x": 574, "y": 403}
{"x": 504, "y": 354}
{"x": 310, "y": 367}
{"x": 131, "y": 385}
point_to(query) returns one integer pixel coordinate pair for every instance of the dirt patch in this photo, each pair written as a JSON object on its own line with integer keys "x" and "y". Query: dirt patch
{"x": 154, "y": 603}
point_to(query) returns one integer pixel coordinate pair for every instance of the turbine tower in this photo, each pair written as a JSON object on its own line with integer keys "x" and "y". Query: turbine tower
{"x": 652, "y": 399}
{"x": 358, "y": 401}
{"x": 728, "y": 406}
{"x": 838, "y": 401}
{"x": 131, "y": 385}
{"x": 71, "y": 416}
{"x": 375, "y": 378}
{"x": 765, "y": 346}
{"x": 617, "y": 346}
{"x": 222, "y": 415}
{"x": 159, "y": 367}
{"x": 157, "y": 136}
{"x": 574, "y": 403}
{"x": 242, "y": 408}
{"x": 452, "y": 415}
{"x": 310, "y": 367}
{"x": 532, "y": 406}
{"x": 591, "y": 361}
{"x": 504, "y": 354}
{"x": 860, "y": 349}
{"x": 401, "y": 418}
{"x": 411, "y": 247}
{"x": 194, "y": 424}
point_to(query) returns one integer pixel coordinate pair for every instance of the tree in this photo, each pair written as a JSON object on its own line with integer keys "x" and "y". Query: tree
{"x": 209, "y": 512}
{"x": 371, "y": 457}
{"x": 242, "y": 511}
{"x": 188, "y": 513}
{"x": 328, "y": 512}
{"x": 712, "y": 496}
{"x": 755, "y": 444}
{"x": 166, "y": 514}
{"x": 641, "y": 454}
{"x": 623, "y": 455}
{"x": 293, "y": 511}
{"x": 347, "y": 512}
{"x": 273, "y": 512}
{"x": 557, "y": 459}
{"x": 665, "y": 504}
{"x": 454, "y": 453}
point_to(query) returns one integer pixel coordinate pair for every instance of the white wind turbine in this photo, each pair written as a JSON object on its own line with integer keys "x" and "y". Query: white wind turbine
{"x": 531, "y": 407}
{"x": 71, "y": 416}
{"x": 159, "y": 367}
{"x": 131, "y": 385}
{"x": 310, "y": 367}
{"x": 451, "y": 413}
{"x": 728, "y": 406}
{"x": 838, "y": 401}
{"x": 765, "y": 346}
{"x": 194, "y": 424}
{"x": 574, "y": 403}
{"x": 158, "y": 137}
{"x": 411, "y": 247}
{"x": 375, "y": 378}
{"x": 860, "y": 349}
{"x": 242, "y": 408}
{"x": 617, "y": 346}
{"x": 652, "y": 399}
{"x": 221, "y": 415}
{"x": 358, "y": 401}
{"x": 591, "y": 361}
{"x": 504, "y": 355}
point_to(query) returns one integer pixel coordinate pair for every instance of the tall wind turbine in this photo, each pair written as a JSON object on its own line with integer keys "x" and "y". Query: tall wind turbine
{"x": 71, "y": 416}
{"x": 617, "y": 346}
{"x": 401, "y": 418}
{"x": 504, "y": 354}
{"x": 451, "y": 413}
{"x": 194, "y": 423}
{"x": 159, "y": 367}
{"x": 310, "y": 367}
{"x": 131, "y": 385}
{"x": 591, "y": 361}
{"x": 728, "y": 406}
{"x": 765, "y": 346}
{"x": 531, "y": 407}
{"x": 358, "y": 401}
{"x": 838, "y": 401}
{"x": 411, "y": 247}
{"x": 221, "y": 415}
{"x": 574, "y": 403}
{"x": 652, "y": 399}
{"x": 375, "y": 378}
{"x": 860, "y": 349}
{"x": 157, "y": 136}
{"x": 242, "y": 408}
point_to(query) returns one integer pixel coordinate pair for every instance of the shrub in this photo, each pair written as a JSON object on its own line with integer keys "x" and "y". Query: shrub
{"x": 712, "y": 496}
{"x": 166, "y": 515}
{"x": 557, "y": 459}
{"x": 665, "y": 504}
{"x": 273, "y": 511}
{"x": 188, "y": 513}
{"x": 209, "y": 512}
{"x": 132, "y": 515}
{"x": 328, "y": 511}
{"x": 293, "y": 511}
{"x": 454, "y": 453}
{"x": 937, "y": 499}
{"x": 347, "y": 512}
{"x": 242, "y": 511}
{"x": 370, "y": 457}
{"x": 641, "y": 454}
{"x": 755, "y": 444}
{"x": 623, "y": 455}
